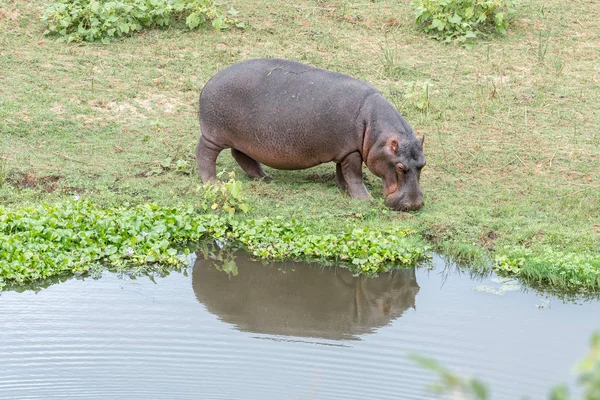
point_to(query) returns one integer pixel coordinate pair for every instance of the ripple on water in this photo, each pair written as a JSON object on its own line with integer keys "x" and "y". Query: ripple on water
{"x": 282, "y": 331}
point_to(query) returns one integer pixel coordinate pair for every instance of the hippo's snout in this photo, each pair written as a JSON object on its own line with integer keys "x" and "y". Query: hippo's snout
{"x": 404, "y": 203}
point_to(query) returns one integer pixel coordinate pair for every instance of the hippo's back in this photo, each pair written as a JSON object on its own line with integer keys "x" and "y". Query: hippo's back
{"x": 273, "y": 110}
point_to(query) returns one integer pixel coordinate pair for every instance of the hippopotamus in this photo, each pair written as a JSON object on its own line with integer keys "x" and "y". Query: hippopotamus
{"x": 288, "y": 115}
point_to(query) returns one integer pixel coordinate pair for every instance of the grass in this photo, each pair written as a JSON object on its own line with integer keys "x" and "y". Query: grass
{"x": 511, "y": 126}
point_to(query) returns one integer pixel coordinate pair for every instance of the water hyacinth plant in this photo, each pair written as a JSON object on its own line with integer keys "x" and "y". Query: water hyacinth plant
{"x": 77, "y": 236}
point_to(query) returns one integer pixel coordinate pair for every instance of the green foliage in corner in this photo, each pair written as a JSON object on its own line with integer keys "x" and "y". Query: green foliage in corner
{"x": 98, "y": 20}
{"x": 457, "y": 387}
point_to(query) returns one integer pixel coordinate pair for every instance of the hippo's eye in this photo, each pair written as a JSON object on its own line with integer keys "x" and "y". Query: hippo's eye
{"x": 400, "y": 167}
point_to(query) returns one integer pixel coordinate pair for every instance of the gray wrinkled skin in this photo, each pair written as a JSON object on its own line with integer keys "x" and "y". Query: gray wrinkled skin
{"x": 289, "y": 115}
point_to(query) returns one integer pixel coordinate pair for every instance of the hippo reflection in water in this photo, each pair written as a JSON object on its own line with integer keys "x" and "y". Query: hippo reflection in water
{"x": 301, "y": 300}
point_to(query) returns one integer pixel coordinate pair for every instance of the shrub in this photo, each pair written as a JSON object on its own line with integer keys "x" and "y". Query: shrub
{"x": 98, "y": 20}
{"x": 462, "y": 20}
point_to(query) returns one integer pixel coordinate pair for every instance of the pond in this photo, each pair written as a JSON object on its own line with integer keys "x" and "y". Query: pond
{"x": 284, "y": 331}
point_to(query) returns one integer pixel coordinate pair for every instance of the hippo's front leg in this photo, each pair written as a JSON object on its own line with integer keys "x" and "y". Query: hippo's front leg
{"x": 352, "y": 174}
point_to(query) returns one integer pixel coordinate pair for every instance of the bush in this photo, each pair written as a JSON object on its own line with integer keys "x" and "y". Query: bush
{"x": 98, "y": 20}
{"x": 462, "y": 20}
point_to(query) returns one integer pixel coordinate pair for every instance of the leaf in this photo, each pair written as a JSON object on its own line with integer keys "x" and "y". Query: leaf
{"x": 218, "y": 23}
{"x": 479, "y": 389}
{"x": 230, "y": 267}
{"x": 469, "y": 12}
{"x": 193, "y": 20}
{"x": 559, "y": 392}
{"x": 455, "y": 19}
{"x": 110, "y": 250}
{"x": 436, "y": 23}
{"x": 124, "y": 27}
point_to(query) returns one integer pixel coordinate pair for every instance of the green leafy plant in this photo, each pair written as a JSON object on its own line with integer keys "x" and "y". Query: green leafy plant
{"x": 462, "y": 20}
{"x": 225, "y": 196}
{"x": 180, "y": 166}
{"x": 417, "y": 94}
{"x": 362, "y": 250}
{"x": 95, "y": 20}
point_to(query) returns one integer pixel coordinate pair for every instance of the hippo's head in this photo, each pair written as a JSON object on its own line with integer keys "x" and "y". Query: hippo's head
{"x": 398, "y": 160}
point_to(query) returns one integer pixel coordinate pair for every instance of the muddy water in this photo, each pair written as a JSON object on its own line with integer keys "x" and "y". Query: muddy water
{"x": 283, "y": 331}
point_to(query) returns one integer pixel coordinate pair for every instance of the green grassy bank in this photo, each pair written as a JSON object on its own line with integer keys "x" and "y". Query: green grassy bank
{"x": 512, "y": 128}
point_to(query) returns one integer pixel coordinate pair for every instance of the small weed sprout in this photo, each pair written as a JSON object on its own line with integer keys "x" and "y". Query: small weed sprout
{"x": 559, "y": 65}
{"x": 417, "y": 94}
{"x": 543, "y": 41}
{"x": 389, "y": 55}
{"x": 3, "y": 169}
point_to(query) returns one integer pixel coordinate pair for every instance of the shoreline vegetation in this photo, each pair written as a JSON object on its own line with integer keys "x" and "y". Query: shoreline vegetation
{"x": 511, "y": 125}
{"x": 77, "y": 238}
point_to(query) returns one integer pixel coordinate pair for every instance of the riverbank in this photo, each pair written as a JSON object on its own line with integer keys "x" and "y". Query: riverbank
{"x": 512, "y": 145}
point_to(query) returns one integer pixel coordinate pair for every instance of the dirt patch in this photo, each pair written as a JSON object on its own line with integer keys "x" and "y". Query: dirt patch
{"x": 9, "y": 15}
{"x": 320, "y": 178}
{"x": 138, "y": 109}
{"x": 159, "y": 102}
{"x": 58, "y": 109}
{"x": 437, "y": 233}
{"x": 487, "y": 239}
{"x": 29, "y": 180}
{"x": 121, "y": 109}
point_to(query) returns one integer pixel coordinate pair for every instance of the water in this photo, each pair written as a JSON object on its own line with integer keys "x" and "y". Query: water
{"x": 283, "y": 331}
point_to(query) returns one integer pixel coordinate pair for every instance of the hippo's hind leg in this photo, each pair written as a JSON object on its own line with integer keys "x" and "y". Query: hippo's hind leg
{"x": 352, "y": 174}
{"x": 339, "y": 177}
{"x": 206, "y": 157}
{"x": 249, "y": 164}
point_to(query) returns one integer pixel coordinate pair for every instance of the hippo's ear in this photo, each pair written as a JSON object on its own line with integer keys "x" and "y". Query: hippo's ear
{"x": 394, "y": 146}
{"x": 421, "y": 141}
